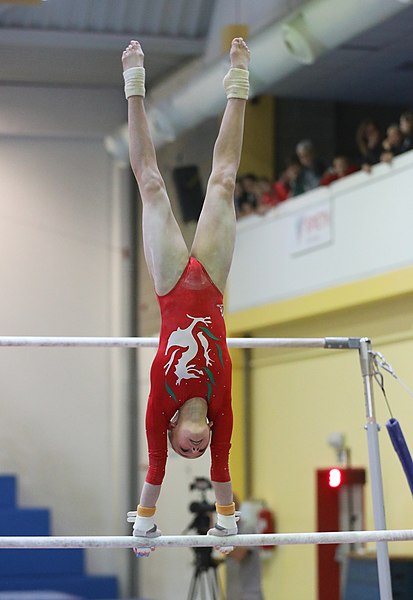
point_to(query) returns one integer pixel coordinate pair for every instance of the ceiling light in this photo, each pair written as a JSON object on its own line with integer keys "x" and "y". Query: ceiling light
{"x": 299, "y": 41}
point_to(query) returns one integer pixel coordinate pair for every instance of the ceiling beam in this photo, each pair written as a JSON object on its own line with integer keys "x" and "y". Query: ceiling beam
{"x": 98, "y": 41}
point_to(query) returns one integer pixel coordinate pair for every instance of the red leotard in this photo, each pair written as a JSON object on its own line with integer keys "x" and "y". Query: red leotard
{"x": 192, "y": 361}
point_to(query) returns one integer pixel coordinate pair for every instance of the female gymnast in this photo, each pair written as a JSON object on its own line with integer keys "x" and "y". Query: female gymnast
{"x": 190, "y": 395}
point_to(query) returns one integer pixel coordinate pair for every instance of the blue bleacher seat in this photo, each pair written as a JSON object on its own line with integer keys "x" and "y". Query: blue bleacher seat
{"x": 86, "y": 586}
{"x": 24, "y": 521}
{"x": 60, "y": 570}
{"x": 7, "y": 491}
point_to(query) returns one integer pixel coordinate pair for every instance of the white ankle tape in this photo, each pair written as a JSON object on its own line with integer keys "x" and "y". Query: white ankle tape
{"x": 134, "y": 82}
{"x": 236, "y": 83}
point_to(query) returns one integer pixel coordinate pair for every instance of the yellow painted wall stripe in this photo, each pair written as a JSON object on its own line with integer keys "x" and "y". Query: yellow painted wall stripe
{"x": 373, "y": 289}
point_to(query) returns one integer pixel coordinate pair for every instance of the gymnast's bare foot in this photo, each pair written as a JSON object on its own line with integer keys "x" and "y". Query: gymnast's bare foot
{"x": 239, "y": 54}
{"x": 133, "y": 56}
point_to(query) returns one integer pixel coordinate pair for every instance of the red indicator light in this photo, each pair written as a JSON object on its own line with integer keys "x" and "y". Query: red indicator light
{"x": 334, "y": 478}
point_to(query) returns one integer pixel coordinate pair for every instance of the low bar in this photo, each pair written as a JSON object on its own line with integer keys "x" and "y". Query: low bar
{"x": 203, "y": 541}
{"x": 152, "y": 342}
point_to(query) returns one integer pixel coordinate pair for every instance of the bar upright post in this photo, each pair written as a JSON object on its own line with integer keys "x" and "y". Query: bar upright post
{"x": 372, "y": 428}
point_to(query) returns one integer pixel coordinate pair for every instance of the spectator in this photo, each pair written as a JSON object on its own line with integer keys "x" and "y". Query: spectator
{"x": 284, "y": 186}
{"x": 340, "y": 168}
{"x": 392, "y": 143}
{"x": 247, "y": 200}
{"x": 312, "y": 168}
{"x": 266, "y": 196}
{"x": 406, "y": 127}
{"x": 369, "y": 144}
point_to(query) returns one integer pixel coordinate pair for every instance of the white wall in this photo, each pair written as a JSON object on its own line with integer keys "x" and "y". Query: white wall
{"x": 356, "y": 228}
{"x": 63, "y": 271}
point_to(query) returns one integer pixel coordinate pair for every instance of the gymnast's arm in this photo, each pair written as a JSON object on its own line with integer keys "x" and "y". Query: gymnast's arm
{"x": 220, "y": 476}
{"x": 222, "y": 419}
{"x": 156, "y": 434}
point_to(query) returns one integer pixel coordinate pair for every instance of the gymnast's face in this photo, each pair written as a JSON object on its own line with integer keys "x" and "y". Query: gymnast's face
{"x": 190, "y": 440}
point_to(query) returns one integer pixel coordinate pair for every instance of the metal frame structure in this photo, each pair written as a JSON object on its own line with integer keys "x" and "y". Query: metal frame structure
{"x": 152, "y": 342}
{"x": 380, "y": 535}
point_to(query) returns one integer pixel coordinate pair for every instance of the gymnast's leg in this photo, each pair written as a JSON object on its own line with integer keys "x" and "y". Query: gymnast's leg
{"x": 214, "y": 239}
{"x": 165, "y": 250}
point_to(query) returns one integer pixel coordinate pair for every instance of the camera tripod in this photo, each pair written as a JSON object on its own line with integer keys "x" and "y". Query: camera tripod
{"x": 204, "y": 582}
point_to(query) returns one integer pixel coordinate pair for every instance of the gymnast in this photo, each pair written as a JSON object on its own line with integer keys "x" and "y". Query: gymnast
{"x": 190, "y": 394}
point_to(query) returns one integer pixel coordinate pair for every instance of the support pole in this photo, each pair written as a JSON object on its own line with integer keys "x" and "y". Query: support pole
{"x": 372, "y": 428}
{"x": 247, "y": 397}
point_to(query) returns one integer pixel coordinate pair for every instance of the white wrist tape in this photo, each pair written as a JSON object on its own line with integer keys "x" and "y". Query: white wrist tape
{"x": 134, "y": 82}
{"x": 143, "y": 524}
{"x": 236, "y": 83}
{"x": 226, "y": 521}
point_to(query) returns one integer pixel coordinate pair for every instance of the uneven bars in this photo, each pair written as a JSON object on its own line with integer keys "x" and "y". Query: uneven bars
{"x": 152, "y": 342}
{"x": 202, "y": 541}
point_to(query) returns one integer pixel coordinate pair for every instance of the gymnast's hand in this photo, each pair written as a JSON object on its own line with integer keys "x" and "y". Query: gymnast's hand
{"x": 225, "y": 526}
{"x": 145, "y": 536}
{"x": 145, "y": 528}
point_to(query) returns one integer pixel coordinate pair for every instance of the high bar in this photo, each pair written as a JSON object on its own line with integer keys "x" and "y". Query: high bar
{"x": 152, "y": 342}
{"x": 203, "y": 541}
